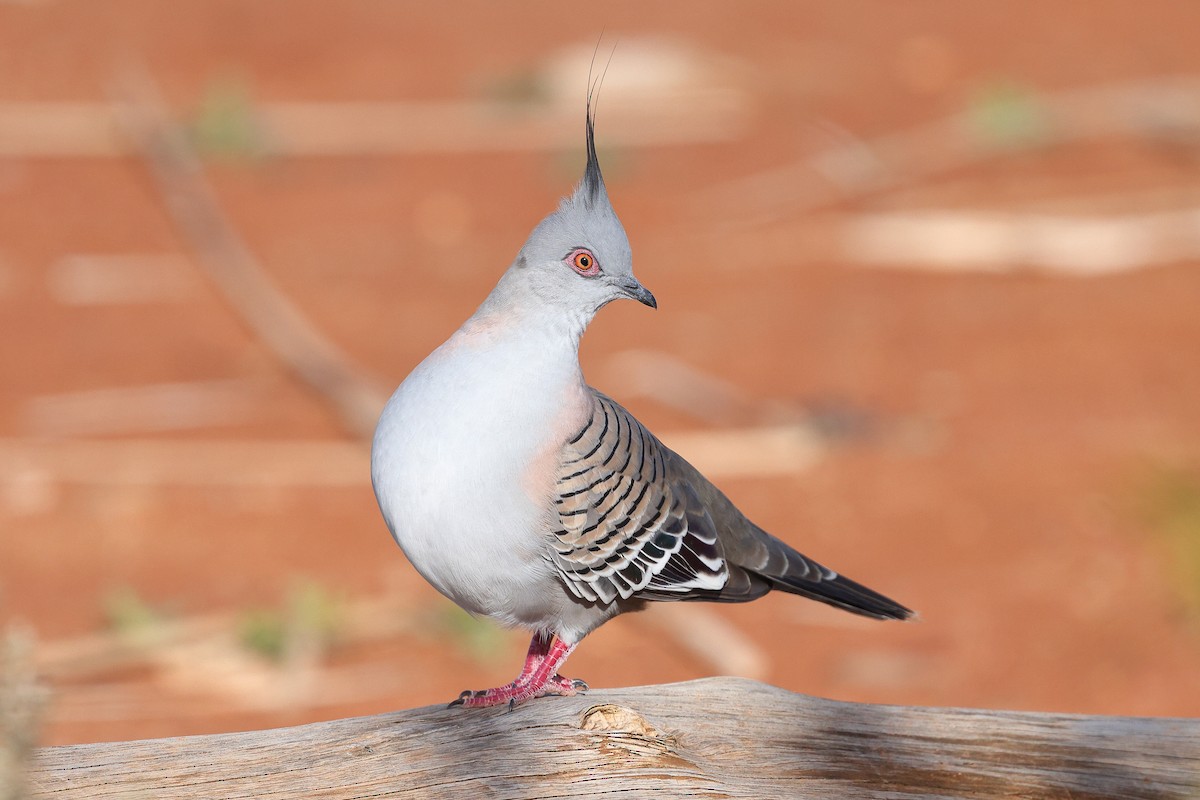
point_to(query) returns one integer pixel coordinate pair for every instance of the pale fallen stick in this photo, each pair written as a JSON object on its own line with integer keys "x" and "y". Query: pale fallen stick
{"x": 315, "y": 129}
{"x": 60, "y": 129}
{"x": 736, "y": 453}
{"x": 139, "y": 409}
{"x": 334, "y": 687}
{"x": 91, "y": 279}
{"x": 361, "y": 621}
{"x": 990, "y": 241}
{"x": 167, "y": 462}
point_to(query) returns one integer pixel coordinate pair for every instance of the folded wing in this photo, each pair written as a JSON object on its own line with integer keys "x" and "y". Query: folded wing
{"x": 638, "y": 521}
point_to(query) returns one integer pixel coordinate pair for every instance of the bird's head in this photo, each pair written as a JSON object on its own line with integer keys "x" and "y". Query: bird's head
{"x": 578, "y": 258}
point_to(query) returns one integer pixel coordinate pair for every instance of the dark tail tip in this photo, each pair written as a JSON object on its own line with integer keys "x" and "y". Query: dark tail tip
{"x": 848, "y": 595}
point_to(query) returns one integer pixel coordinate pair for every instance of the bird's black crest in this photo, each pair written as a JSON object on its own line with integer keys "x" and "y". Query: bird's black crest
{"x": 593, "y": 182}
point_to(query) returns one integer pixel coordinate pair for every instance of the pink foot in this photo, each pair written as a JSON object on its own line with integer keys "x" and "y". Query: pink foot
{"x": 513, "y": 694}
{"x": 537, "y": 679}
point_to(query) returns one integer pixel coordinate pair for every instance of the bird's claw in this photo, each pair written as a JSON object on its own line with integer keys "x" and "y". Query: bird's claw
{"x": 565, "y": 686}
{"x": 514, "y": 694}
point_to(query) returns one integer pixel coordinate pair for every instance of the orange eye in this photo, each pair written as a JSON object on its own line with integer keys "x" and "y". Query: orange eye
{"x": 582, "y": 261}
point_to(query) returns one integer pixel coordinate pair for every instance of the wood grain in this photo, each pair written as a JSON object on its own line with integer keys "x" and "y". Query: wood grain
{"x": 723, "y": 737}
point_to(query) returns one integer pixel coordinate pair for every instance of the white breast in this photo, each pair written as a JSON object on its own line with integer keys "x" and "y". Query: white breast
{"x": 461, "y": 465}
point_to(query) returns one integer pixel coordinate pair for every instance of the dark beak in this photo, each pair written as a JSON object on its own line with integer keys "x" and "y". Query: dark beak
{"x": 635, "y": 290}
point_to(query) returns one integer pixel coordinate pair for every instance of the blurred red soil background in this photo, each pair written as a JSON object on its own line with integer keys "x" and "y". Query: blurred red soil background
{"x": 928, "y": 279}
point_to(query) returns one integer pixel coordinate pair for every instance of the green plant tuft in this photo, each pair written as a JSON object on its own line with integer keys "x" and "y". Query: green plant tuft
{"x": 310, "y": 619}
{"x": 1170, "y": 504}
{"x": 226, "y": 124}
{"x": 480, "y": 639}
{"x": 1006, "y": 115}
{"x": 128, "y": 615}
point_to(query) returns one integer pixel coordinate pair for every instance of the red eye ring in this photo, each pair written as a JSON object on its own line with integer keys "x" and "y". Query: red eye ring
{"x": 582, "y": 261}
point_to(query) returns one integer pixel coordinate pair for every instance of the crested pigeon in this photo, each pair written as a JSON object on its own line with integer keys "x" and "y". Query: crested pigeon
{"x": 524, "y": 495}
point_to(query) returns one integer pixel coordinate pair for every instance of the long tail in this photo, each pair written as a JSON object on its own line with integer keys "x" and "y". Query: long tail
{"x": 841, "y": 592}
{"x": 791, "y": 571}
{"x": 759, "y": 562}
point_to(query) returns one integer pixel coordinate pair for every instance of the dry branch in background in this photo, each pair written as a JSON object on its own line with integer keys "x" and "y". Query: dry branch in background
{"x": 1159, "y": 110}
{"x": 237, "y": 273}
{"x": 714, "y": 738}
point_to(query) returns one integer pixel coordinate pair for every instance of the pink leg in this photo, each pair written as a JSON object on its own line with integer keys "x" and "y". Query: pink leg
{"x": 539, "y": 647}
{"x": 538, "y": 678}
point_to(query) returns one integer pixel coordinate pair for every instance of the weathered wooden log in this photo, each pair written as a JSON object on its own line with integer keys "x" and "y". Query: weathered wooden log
{"x": 722, "y": 737}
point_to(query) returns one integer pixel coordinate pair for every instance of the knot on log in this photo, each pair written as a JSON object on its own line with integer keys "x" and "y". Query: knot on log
{"x": 627, "y": 730}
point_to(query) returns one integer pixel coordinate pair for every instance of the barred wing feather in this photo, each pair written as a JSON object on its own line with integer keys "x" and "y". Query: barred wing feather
{"x": 629, "y": 525}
